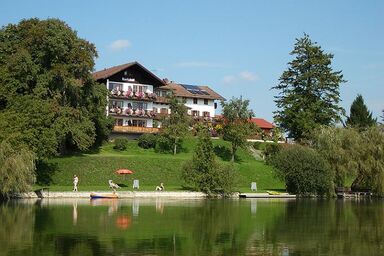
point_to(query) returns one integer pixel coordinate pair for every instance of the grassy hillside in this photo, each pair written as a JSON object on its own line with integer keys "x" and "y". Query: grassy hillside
{"x": 94, "y": 169}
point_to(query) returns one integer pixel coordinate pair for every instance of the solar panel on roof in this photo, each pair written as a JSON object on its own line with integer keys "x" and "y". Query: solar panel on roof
{"x": 194, "y": 89}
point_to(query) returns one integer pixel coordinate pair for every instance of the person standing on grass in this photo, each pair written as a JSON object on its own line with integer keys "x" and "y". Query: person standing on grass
{"x": 75, "y": 182}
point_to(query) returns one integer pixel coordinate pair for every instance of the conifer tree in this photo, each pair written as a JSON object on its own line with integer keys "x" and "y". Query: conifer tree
{"x": 308, "y": 91}
{"x": 360, "y": 117}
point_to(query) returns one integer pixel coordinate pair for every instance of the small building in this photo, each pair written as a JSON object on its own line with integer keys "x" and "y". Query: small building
{"x": 138, "y": 98}
{"x": 264, "y": 125}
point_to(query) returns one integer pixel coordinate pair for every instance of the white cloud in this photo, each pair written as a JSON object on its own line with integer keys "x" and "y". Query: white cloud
{"x": 229, "y": 79}
{"x": 119, "y": 45}
{"x": 244, "y": 76}
{"x": 248, "y": 76}
{"x": 198, "y": 64}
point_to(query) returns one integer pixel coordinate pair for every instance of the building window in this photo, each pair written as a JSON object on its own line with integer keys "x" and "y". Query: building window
{"x": 155, "y": 110}
{"x": 116, "y": 104}
{"x": 194, "y": 101}
{"x": 206, "y": 114}
{"x": 139, "y": 105}
{"x": 115, "y": 86}
{"x": 143, "y": 88}
{"x": 119, "y": 122}
{"x": 195, "y": 113}
{"x": 205, "y": 102}
{"x": 139, "y": 123}
{"x": 163, "y": 111}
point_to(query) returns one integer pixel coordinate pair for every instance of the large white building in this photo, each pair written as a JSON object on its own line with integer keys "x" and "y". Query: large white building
{"x": 138, "y": 99}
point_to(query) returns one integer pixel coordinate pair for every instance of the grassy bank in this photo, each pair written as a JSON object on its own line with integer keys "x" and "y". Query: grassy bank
{"x": 94, "y": 169}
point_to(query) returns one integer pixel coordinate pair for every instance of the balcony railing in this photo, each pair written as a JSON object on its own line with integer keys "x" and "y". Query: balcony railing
{"x": 135, "y": 129}
{"x": 142, "y": 96}
{"x": 132, "y": 112}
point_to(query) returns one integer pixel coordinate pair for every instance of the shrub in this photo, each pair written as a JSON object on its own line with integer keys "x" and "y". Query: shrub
{"x": 17, "y": 167}
{"x": 204, "y": 173}
{"x": 304, "y": 171}
{"x": 260, "y": 145}
{"x": 147, "y": 140}
{"x": 271, "y": 149}
{"x": 121, "y": 143}
{"x": 164, "y": 144}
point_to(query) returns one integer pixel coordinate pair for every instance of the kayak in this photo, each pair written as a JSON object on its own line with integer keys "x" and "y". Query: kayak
{"x": 103, "y": 195}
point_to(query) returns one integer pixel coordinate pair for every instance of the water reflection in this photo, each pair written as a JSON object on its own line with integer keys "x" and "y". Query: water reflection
{"x": 74, "y": 214}
{"x": 191, "y": 227}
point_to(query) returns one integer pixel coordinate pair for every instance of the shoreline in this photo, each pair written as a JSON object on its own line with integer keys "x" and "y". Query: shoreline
{"x": 40, "y": 194}
{"x": 121, "y": 194}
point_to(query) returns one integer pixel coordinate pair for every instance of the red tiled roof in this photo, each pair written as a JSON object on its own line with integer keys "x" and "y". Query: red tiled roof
{"x": 262, "y": 123}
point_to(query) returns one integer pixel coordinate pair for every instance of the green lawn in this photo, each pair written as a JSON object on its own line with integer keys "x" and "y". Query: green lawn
{"x": 94, "y": 169}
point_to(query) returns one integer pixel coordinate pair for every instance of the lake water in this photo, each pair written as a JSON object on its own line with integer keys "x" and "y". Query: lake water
{"x": 192, "y": 227}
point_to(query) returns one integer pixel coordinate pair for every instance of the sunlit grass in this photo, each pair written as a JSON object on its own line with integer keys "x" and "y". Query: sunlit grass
{"x": 94, "y": 169}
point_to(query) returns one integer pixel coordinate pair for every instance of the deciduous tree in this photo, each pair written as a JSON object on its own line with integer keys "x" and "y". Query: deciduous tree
{"x": 236, "y": 127}
{"x": 175, "y": 126}
{"x": 47, "y": 93}
{"x": 308, "y": 91}
{"x": 340, "y": 147}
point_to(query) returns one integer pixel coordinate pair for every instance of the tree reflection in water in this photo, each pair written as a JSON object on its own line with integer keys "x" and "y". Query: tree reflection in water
{"x": 194, "y": 227}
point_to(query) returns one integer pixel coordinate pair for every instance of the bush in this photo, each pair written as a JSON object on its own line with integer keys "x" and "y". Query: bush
{"x": 164, "y": 144}
{"x": 260, "y": 145}
{"x": 204, "y": 173}
{"x": 304, "y": 171}
{"x": 271, "y": 149}
{"x": 17, "y": 167}
{"x": 147, "y": 140}
{"x": 121, "y": 143}
{"x": 222, "y": 179}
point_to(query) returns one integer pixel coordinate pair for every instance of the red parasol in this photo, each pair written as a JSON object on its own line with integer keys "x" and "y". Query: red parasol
{"x": 124, "y": 171}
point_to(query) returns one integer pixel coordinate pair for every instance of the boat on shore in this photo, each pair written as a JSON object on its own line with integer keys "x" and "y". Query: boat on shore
{"x": 103, "y": 195}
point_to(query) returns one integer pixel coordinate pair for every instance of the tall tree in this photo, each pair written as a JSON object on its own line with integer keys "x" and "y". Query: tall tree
{"x": 48, "y": 98}
{"x": 237, "y": 127}
{"x": 175, "y": 126}
{"x": 308, "y": 91}
{"x": 360, "y": 117}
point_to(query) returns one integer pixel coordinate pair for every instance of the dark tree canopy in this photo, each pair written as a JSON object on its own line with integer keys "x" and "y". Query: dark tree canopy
{"x": 360, "y": 116}
{"x": 48, "y": 98}
{"x": 308, "y": 91}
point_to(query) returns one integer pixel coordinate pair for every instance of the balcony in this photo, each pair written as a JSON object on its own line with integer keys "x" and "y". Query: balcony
{"x": 132, "y": 112}
{"x": 140, "y": 96}
{"x": 135, "y": 129}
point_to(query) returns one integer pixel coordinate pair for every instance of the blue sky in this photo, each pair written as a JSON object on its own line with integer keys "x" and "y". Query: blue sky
{"x": 238, "y": 48}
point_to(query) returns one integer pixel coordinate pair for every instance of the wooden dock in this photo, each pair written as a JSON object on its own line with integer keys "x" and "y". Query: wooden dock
{"x": 354, "y": 195}
{"x": 265, "y": 195}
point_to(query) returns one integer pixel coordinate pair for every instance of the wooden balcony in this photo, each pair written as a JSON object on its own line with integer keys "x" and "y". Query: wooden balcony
{"x": 135, "y": 129}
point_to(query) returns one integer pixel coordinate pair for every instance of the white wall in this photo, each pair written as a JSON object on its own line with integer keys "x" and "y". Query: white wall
{"x": 201, "y": 107}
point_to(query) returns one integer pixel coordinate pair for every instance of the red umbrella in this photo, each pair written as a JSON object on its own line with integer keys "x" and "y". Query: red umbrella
{"x": 124, "y": 171}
